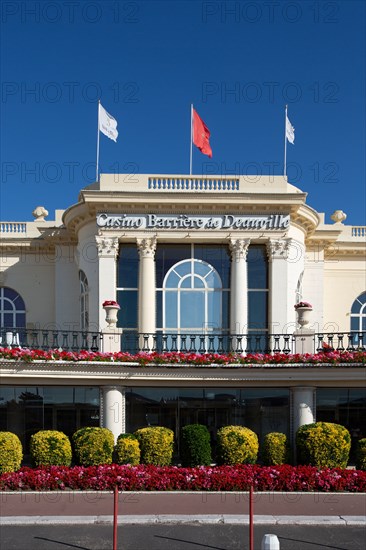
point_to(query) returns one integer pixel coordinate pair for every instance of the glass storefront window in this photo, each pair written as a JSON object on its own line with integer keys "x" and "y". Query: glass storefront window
{"x": 263, "y": 410}
{"x": 345, "y": 406}
{"x": 26, "y": 410}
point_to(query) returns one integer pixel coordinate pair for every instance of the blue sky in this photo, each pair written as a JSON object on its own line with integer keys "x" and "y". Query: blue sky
{"x": 238, "y": 62}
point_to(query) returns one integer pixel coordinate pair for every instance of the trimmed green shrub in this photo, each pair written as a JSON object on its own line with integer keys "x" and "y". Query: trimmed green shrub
{"x": 11, "y": 452}
{"x": 323, "y": 444}
{"x": 127, "y": 450}
{"x": 156, "y": 444}
{"x": 50, "y": 448}
{"x": 196, "y": 447}
{"x": 237, "y": 445}
{"x": 276, "y": 449}
{"x": 93, "y": 446}
{"x": 361, "y": 454}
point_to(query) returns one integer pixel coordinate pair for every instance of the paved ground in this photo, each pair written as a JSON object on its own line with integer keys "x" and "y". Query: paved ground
{"x": 95, "y": 504}
{"x": 178, "y": 537}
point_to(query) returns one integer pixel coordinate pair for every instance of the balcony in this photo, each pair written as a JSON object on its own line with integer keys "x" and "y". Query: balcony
{"x": 161, "y": 342}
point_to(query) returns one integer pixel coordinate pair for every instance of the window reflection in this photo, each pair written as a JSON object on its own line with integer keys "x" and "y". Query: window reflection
{"x": 26, "y": 410}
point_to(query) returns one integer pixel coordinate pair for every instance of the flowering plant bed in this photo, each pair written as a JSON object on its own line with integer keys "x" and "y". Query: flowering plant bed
{"x": 177, "y": 358}
{"x": 172, "y": 478}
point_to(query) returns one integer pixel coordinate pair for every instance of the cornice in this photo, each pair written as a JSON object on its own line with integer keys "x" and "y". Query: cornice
{"x": 41, "y": 372}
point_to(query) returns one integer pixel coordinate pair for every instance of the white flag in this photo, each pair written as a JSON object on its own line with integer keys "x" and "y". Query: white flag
{"x": 107, "y": 124}
{"x": 290, "y": 131}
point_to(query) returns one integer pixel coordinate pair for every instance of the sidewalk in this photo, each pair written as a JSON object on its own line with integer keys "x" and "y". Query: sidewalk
{"x": 83, "y": 507}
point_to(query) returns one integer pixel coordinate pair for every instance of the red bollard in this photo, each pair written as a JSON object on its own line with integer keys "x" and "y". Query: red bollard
{"x": 251, "y": 522}
{"x": 115, "y": 516}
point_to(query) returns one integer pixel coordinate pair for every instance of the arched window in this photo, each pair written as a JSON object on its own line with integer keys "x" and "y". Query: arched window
{"x": 192, "y": 298}
{"x": 358, "y": 313}
{"x": 12, "y": 309}
{"x": 84, "y": 301}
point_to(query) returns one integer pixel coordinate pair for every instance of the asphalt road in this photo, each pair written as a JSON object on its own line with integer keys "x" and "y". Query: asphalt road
{"x": 179, "y": 537}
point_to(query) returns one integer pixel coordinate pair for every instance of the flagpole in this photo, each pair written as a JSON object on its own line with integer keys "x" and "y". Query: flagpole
{"x": 190, "y": 158}
{"x": 284, "y": 164}
{"x": 97, "y": 164}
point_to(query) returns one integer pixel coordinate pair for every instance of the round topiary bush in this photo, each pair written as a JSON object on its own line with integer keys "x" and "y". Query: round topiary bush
{"x": 196, "y": 447}
{"x": 237, "y": 445}
{"x": 323, "y": 444}
{"x": 127, "y": 450}
{"x": 276, "y": 449}
{"x": 156, "y": 444}
{"x": 361, "y": 454}
{"x": 93, "y": 446}
{"x": 11, "y": 452}
{"x": 50, "y": 448}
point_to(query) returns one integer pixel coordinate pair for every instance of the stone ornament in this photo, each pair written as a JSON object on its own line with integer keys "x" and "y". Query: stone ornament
{"x": 40, "y": 213}
{"x": 278, "y": 248}
{"x": 107, "y": 246}
{"x": 147, "y": 247}
{"x": 338, "y": 216}
{"x": 239, "y": 248}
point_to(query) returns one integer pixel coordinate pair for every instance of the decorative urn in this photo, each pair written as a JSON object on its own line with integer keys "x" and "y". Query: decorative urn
{"x": 111, "y": 309}
{"x": 303, "y": 310}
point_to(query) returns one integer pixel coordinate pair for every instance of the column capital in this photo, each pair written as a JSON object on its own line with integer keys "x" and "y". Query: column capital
{"x": 107, "y": 246}
{"x": 278, "y": 249}
{"x": 146, "y": 247}
{"x": 239, "y": 248}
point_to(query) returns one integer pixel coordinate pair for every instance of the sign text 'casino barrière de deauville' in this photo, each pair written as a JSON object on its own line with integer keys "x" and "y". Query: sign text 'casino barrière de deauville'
{"x": 193, "y": 221}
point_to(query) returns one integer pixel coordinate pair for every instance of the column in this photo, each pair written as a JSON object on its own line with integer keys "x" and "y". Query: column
{"x": 239, "y": 289}
{"x": 113, "y": 410}
{"x": 280, "y": 295}
{"x": 303, "y": 408}
{"x": 107, "y": 271}
{"x": 147, "y": 291}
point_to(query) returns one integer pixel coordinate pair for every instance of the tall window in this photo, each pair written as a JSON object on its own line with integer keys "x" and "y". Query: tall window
{"x": 84, "y": 301}
{"x": 257, "y": 289}
{"x": 192, "y": 297}
{"x": 127, "y": 286}
{"x": 12, "y": 309}
{"x": 358, "y": 313}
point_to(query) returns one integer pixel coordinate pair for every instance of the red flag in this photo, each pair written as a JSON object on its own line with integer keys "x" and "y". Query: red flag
{"x": 201, "y": 135}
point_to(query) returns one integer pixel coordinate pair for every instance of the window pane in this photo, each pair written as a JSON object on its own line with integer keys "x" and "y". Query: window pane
{"x": 198, "y": 283}
{"x": 257, "y": 310}
{"x": 184, "y": 268}
{"x": 127, "y": 269}
{"x": 257, "y": 267}
{"x": 214, "y": 309}
{"x": 8, "y": 305}
{"x": 186, "y": 282}
{"x": 192, "y": 309}
{"x": 355, "y": 323}
{"x": 127, "y": 315}
{"x": 171, "y": 310}
{"x": 172, "y": 281}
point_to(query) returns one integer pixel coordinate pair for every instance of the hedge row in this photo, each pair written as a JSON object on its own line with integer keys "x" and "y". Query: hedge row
{"x": 321, "y": 444}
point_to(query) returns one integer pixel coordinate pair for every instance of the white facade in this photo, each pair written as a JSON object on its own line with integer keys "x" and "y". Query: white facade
{"x": 48, "y": 263}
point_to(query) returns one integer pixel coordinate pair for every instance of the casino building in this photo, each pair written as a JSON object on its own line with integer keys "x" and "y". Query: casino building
{"x": 198, "y": 264}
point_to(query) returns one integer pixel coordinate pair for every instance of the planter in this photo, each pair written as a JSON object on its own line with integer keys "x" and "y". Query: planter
{"x": 111, "y": 315}
{"x": 303, "y": 315}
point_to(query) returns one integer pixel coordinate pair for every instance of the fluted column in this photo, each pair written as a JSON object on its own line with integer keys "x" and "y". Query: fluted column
{"x": 239, "y": 287}
{"x": 107, "y": 256}
{"x": 147, "y": 289}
